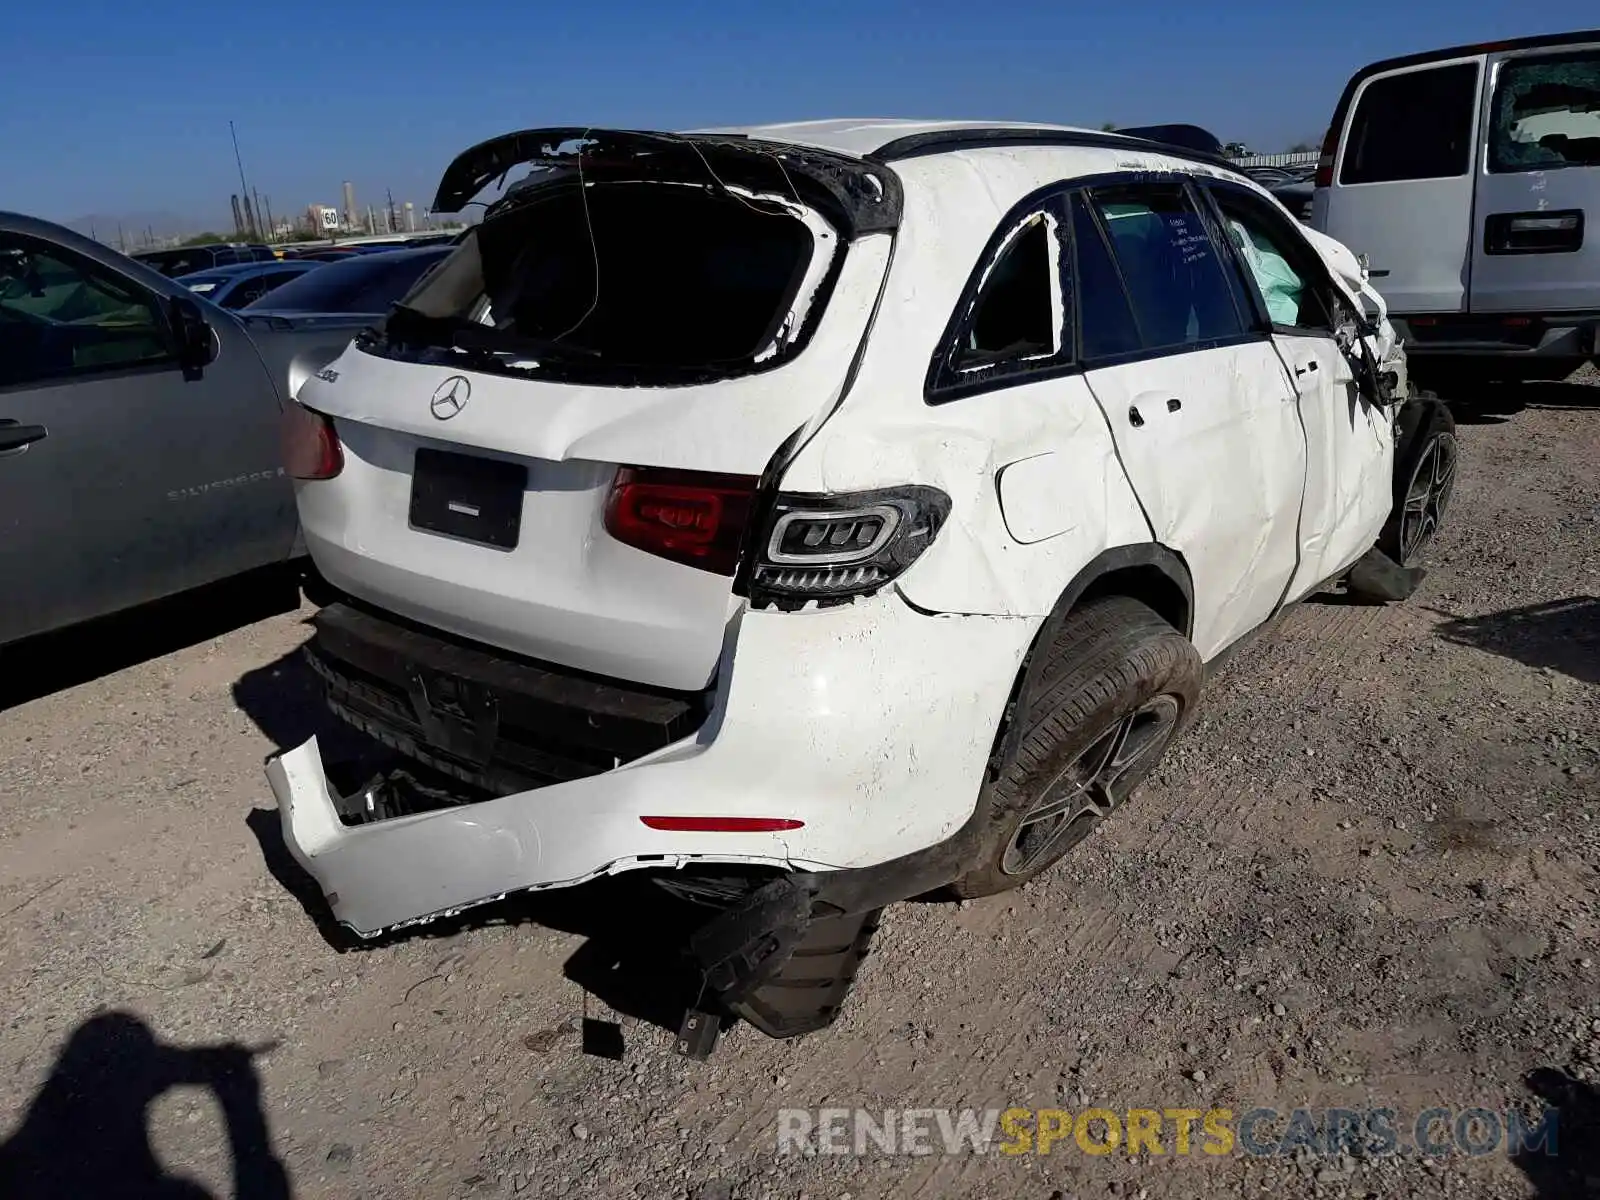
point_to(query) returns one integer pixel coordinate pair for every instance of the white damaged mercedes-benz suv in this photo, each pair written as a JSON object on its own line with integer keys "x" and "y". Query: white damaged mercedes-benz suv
{"x": 820, "y": 515}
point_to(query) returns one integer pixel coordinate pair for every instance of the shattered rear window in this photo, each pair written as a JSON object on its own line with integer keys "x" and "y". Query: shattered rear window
{"x": 628, "y": 282}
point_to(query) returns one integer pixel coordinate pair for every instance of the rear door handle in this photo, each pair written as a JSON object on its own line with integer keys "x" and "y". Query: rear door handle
{"x": 1310, "y": 366}
{"x": 19, "y": 437}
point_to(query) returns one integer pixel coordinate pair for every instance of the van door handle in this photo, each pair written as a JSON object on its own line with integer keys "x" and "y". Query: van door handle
{"x": 1310, "y": 366}
{"x": 1134, "y": 418}
{"x": 19, "y": 437}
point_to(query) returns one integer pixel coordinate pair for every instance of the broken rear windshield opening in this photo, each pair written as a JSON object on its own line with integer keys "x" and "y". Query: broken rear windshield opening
{"x": 656, "y": 283}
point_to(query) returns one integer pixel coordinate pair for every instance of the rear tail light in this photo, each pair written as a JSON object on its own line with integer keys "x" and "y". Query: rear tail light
{"x": 687, "y": 516}
{"x": 311, "y": 447}
{"x": 830, "y": 549}
{"x": 1330, "y": 150}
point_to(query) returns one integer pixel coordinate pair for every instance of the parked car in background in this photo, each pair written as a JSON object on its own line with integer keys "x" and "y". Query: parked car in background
{"x": 139, "y": 450}
{"x": 186, "y": 260}
{"x": 363, "y": 285}
{"x": 318, "y": 254}
{"x": 308, "y": 321}
{"x": 1291, "y": 185}
{"x": 1467, "y": 177}
{"x": 237, "y": 286}
{"x": 819, "y": 515}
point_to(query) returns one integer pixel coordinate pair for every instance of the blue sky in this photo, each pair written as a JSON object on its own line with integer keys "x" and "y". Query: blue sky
{"x": 117, "y": 107}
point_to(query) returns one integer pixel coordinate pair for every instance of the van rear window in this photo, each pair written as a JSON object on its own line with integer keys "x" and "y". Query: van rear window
{"x": 1546, "y": 114}
{"x": 1416, "y": 125}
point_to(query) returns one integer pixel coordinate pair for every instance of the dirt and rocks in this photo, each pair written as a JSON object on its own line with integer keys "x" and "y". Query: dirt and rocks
{"x": 1368, "y": 878}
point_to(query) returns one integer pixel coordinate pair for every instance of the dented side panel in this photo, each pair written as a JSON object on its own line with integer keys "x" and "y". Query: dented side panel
{"x": 1212, "y": 442}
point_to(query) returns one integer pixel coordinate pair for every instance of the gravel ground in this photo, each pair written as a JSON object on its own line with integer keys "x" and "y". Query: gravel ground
{"x": 1369, "y": 877}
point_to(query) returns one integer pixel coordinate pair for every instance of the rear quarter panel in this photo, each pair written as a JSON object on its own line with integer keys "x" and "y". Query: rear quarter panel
{"x": 1036, "y": 489}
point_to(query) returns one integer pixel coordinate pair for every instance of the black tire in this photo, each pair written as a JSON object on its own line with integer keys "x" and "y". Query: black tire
{"x": 1116, "y": 683}
{"x": 809, "y": 990}
{"x": 1425, "y": 459}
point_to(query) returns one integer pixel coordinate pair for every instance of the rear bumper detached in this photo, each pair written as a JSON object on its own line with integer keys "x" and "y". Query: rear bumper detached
{"x": 870, "y": 725}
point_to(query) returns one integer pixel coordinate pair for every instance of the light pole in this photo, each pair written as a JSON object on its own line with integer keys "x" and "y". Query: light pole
{"x": 244, "y": 188}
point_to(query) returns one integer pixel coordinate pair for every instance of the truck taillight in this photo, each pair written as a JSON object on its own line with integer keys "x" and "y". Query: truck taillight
{"x": 691, "y": 517}
{"x": 1330, "y": 150}
{"x": 311, "y": 447}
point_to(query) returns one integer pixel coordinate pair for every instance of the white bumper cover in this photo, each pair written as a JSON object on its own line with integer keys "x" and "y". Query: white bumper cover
{"x": 871, "y": 723}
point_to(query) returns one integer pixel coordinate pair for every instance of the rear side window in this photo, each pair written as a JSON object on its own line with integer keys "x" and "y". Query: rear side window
{"x": 1016, "y": 315}
{"x": 1176, "y": 280}
{"x": 1012, "y": 322}
{"x": 1417, "y": 125}
{"x": 1546, "y": 113}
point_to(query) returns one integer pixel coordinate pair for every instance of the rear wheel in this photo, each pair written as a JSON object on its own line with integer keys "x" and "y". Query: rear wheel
{"x": 1116, "y": 684}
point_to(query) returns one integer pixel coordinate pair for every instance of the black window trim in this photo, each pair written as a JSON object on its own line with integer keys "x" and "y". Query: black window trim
{"x": 89, "y": 266}
{"x": 1220, "y": 245}
{"x": 944, "y": 382}
{"x": 1313, "y": 268}
{"x": 938, "y": 389}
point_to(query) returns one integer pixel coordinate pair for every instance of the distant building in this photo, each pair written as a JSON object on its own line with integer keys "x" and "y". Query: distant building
{"x": 352, "y": 216}
{"x": 411, "y": 218}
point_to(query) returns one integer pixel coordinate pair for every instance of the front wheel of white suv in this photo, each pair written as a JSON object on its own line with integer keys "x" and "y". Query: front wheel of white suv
{"x": 1116, "y": 683}
{"x": 1425, "y": 477}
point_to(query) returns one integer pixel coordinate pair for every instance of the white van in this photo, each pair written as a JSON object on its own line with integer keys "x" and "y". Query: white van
{"x": 1466, "y": 177}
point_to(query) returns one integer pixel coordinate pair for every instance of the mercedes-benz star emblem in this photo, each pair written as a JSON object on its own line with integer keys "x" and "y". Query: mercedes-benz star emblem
{"x": 450, "y": 397}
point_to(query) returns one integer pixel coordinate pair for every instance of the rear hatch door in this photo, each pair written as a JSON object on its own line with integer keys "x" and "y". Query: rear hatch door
{"x": 1536, "y": 247}
{"x": 665, "y": 324}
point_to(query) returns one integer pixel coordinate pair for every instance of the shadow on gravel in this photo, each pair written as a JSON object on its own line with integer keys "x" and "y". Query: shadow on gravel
{"x": 86, "y": 1133}
{"x": 284, "y": 699}
{"x": 1494, "y": 403}
{"x": 1563, "y": 635}
{"x": 633, "y": 958}
{"x": 1573, "y": 1169}
{"x": 67, "y": 658}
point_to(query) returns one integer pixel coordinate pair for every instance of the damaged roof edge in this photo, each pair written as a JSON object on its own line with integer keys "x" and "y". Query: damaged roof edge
{"x": 863, "y": 196}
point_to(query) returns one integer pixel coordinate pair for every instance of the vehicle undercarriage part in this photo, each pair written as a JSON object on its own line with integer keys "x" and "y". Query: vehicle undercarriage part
{"x": 1376, "y": 576}
{"x": 780, "y": 958}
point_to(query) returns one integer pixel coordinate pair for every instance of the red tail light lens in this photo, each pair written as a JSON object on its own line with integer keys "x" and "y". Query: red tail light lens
{"x": 686, "y": 516}
{"x": 311, "y": 447}
{"x": 1330, "y": 150}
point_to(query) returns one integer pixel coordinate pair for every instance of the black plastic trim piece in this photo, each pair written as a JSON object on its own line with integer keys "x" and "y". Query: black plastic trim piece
{"x": 1498, "y": 236}
{"x": 948, "y": 141}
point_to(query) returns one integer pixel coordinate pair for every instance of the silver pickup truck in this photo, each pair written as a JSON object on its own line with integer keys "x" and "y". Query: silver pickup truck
{"x": 139, "y": 441}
